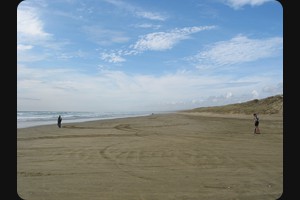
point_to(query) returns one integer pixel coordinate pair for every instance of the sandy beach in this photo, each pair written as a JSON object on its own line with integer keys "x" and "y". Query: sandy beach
{"x": 180, "y": 156}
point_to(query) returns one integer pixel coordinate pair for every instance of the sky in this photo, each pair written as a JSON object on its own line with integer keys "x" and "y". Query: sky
{"x": 141, "y": 55}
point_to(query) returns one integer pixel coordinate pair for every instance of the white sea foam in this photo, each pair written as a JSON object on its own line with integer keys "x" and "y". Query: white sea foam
{"x": 36, "y": 118}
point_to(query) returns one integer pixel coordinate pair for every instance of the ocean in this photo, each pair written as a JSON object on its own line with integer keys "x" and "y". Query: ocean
{"x": 36, "y": 118}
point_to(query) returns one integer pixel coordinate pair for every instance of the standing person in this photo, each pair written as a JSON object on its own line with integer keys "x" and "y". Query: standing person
{"x": 256, "y": 123}
{"x": 59, "y": 121}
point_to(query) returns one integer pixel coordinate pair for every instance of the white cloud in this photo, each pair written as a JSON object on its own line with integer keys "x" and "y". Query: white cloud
{"x": 112, "y": 57}
{"x": 159, "y": 41}
{"x": 30, "y": 27}
{"x": 116, "y": 90}
{"x": 33, "y": 41}
{"x": 137, "y": 11}
{"x": 228, "y": 95}
{"x": 104, "y": 36}
{"x": 239, "y": 49}
{"x": 146, "y": 25}
{"x": 151, "y": 15}
{"x": 116, "y": 56}
{"x": 255, "y": 94}
{"x": 21, "y": 47}
{"x": 271, "y": 88}
{"x": 237, "y": 4}
{"x": 30, "y": 57}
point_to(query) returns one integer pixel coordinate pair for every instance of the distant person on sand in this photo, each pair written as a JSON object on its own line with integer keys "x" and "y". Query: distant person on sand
{"x": 59, "y": 121}
{"x": 256, "y": 123}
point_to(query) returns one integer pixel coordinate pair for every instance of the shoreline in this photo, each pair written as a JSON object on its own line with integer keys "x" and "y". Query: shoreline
{"x": 203, "y": 114}
{"x": 160, "y": 156}
{"x": 28, "y": 124}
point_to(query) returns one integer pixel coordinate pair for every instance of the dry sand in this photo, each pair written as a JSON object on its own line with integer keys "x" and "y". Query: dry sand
{"x": 164, "y": 156}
